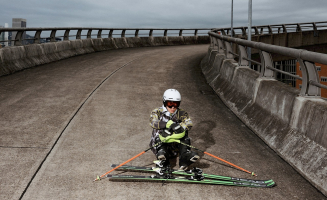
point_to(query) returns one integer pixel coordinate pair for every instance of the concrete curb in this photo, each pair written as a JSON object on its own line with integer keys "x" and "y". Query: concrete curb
{"x": 295, "y": 127}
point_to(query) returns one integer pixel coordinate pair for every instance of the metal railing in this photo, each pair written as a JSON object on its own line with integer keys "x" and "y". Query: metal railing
{"x": 241, "y": 31}
{"x": 52, "y": 37}
{"x": 277, "y": 28}
{"x": 311, "y": 85}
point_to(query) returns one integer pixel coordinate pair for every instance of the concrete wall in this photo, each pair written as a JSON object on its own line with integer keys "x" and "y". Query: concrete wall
{"x": 13, "y": 59}
{"x": 294, "y": 126}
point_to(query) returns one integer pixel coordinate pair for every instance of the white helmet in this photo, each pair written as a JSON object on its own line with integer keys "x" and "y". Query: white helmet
{"x": 171, "y": 95}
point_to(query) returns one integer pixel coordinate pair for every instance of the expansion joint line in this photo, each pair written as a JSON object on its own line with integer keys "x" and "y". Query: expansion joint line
{"x": 12, "y": 147}
{"x": 70, "y": 120}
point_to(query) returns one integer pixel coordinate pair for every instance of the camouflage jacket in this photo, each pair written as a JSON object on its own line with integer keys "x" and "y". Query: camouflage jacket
{"x": 159, "y": 118}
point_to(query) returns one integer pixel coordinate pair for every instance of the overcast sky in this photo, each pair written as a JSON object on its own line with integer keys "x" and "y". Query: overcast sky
{"x": 159, "y": 14}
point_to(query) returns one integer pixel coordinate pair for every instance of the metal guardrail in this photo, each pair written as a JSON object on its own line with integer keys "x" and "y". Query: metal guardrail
{"x": 276, "y": 28}
{"x": 19, "y": 38}
{"x": 311, "y": 85}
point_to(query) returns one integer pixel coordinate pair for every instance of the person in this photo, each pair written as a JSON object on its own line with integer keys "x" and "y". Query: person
{"x": 170, "y": 124}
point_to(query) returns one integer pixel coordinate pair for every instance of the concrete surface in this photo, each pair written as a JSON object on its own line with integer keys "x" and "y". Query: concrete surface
{"x": 295, "y": 127}
{"x": 64, "y": 123}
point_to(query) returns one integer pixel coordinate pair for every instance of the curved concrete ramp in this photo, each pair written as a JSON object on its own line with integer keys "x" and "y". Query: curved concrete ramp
{"x": 64, "y": 123}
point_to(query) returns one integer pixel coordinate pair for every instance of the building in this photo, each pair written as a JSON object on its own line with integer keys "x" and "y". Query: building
{"x": 18, "y": 23}
{"x": 4, "y": 37}
{"x": 322, "y": 72}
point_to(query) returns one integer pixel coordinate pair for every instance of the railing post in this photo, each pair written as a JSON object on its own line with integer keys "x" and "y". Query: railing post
{"x": 165, "y": 33}
{"x": 37, "y": 37}
{"x": 256, "y": 32}
{"x": 242, "y": 54}
{"x": 99, "y": 33}
{"x": 315, "y": 30}
{"x": 215, "y": 43}
{"x": 309, "y": 73}
{"x": 151, "y": 33}
{"x": 123, "y": 33}
{"x": 233, "y": 32}
{"x": 110, "y": 33}
{"x": 19, "y": 38}
{"x": 196, "y": 32}
{"x": 66, "y": 35}
{"x": 243, "y": 32}
{"x": 78, "y": 35}
{"x": 181, "y": 32}
{"x": 89, "y": 32}
{"x": 270, "y": 30}
{"x": 53, "y": 36}
{"x": 298, "y": 28}
{"x": 136, "y": 32}
{"x": 212, "y": 42}
{"x": 284, "y": 28}
{"x": 221, "y": 48}
{"x": 266, "y": 61}
{"x": 228, "y": 49}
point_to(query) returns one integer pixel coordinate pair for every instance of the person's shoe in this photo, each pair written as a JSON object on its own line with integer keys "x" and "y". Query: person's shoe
{"x": 195, "y": 158}
{"x": 161, "y": 163}
{"x": 161, "y": 157}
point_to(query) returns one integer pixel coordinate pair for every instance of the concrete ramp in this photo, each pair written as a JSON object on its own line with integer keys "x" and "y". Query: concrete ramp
{"x": 64, "y": 123}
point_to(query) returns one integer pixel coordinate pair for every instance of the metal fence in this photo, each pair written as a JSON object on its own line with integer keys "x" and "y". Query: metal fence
{"x": 287, "y": 66}
{"x": 311, "y": 85}
{"x": 41, "y": 35}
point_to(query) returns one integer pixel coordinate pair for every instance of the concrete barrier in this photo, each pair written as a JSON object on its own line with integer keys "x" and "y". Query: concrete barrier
{"x": 203, "y": 39}
{"x": 50, "y": 51}
{"x": 121, "y": 43}
{"x": 160, "y": 41}
{"x": 176, "y": 40}
{"x": 13, "y": 59}
{"x": 294, "y": 126}
{"x": 64, "y": 49}
{"x": 109, "y": 43}
{"x": 140, "y": 42}
{"x": 35, "y": 55}
{"x": 98, "y": 44}
{"x": 88, "y": 46}
{"x": 190, "y": 39}
{"x": 82, "y": 46}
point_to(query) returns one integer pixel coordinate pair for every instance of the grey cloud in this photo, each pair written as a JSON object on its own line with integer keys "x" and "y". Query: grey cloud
{"x": 160, "y": 14}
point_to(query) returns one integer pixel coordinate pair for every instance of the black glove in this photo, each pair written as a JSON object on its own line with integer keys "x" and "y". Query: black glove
{"x": 176, "y": 128}
{"x": 166, "y": 132}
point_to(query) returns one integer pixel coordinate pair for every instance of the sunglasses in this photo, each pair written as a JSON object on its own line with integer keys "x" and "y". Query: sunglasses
{"x": 171, "y": 104}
